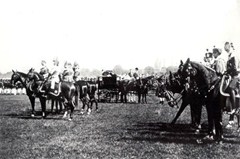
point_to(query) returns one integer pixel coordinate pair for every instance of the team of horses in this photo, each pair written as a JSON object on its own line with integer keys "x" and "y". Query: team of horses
{"x": 196, "y": 84}
{"x": 69, "y": 93}
{"x": 201, "y": 86}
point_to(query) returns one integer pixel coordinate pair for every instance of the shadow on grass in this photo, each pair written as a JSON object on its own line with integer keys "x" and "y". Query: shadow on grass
{"x": 38, "y": 116}
{"x": 168, "y": 133}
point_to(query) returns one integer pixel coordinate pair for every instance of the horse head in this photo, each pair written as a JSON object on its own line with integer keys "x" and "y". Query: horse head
{"x": 16, "y": 77}
{"x": 194, "y": 72}
{"x": 174, "y": 82}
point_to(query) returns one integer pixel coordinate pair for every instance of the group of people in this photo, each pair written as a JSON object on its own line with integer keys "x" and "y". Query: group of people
{"x": 69, "y": 74}
{"x": 131, "y": 75}
{"x": 226, "y": 63}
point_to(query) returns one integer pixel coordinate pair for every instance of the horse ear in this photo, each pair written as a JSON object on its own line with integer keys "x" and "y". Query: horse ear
{"x": 188, "y": 60}
{"x": 13, "y": 71}
{"x": 181, "y": 62}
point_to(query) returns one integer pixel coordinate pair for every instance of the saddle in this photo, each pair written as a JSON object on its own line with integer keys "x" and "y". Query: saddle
{"x": 224, "y": 85}
{"x": 57, "y": 89}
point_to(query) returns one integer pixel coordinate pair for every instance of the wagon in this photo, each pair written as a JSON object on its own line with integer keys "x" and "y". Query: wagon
{"x": 108, "y": 87}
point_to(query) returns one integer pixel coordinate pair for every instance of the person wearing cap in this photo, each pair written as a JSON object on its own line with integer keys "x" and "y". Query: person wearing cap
{"x": 232, "y": 70}
{"x": 130, "y": 74}
{"x": 136, "y": 73}
{"x": 76, "y": 72}
{"x": 44, "y": 71}
{"x": 55, "y": 73}
{"x": 67, "y": 74}
{"x": 208, "y": 59}
{"x": 219, "y": 63}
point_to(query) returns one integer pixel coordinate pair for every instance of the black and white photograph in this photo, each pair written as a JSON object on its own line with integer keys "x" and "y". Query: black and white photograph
{"x": 125, "y": 79}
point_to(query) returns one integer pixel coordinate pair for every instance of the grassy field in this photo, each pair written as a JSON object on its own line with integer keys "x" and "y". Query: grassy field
{"x": 116, "y": 131}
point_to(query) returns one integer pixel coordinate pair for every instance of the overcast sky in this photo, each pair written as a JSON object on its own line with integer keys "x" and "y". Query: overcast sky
{"x": 101, "y": 34}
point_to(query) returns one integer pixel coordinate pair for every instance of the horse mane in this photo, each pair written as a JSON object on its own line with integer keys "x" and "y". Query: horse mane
{"x": 148, "y": 77}
{"x": 22, "y": 74}
{"x": 209, "y": 75}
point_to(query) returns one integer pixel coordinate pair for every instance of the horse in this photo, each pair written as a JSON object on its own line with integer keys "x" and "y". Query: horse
{"x": 38, "y": 88}
{"x": 140, "y": 86}
{"x": 87, "y": 90}
{"x": 209, "y": 83}
{"x": 145, "y": 84}
{"x": 127, "y": 89}
{"x": 1, "y": 87}
{"x": 192, "y": 97}
{"x": 92, "y": 88}
{"x": 28, "y": 85}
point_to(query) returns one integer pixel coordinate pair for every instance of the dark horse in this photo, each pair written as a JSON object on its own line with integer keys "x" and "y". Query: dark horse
{"x": 168, "y": 86}
{"x": 208, "y": 82}
{"x": 27, "y": 84}
{"x": 139, "y": 86}
{"x": 87, "y": 91}
{"x": 145, "y": 84}
{"x": 35, "y": 87}
{"x": 192, "y": 96}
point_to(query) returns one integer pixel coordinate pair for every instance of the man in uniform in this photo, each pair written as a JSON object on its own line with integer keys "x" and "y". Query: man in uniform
{"x": 54, "y": 72}
{"x": 67, "y": 74}
{"x": 219, "y": 64}
{"x": 44, "y": 71}
{"x": 76, "y": 70}
{"x": 208, "y": 59}
{"x": 232, "y": 71}
{"x": 136, "y": 73}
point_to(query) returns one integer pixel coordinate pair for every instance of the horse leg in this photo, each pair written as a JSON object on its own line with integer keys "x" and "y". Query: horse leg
{"x": 196, "y": 111}
{"x": 52, "y": 105}
{"x": 238, "y": 123}
{"x": 210, "y": 120}
{"x": 60, "y": 106}
{"x": 198, "y": 117}
{"x": 32, "y": 100}
{"x": 96, "y": 103}
{"x": 139, "y": 97}
{"x": 43, "y": 105}
{"x": 218, "y": 123}
{"x": 71, "y": 107}
{"x": 182, "y": 107}
{"x": 57, "y": 103}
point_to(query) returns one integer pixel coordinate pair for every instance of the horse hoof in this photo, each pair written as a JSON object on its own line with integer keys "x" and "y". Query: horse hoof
{"x": 197, "y": 131}
{"x": 70, "y": 119}
{"x": 32, "y": 115}
{"x": 199, "y": 141}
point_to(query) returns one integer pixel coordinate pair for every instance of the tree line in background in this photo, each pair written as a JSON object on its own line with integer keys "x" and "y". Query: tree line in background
{"x": 118, "y": 69}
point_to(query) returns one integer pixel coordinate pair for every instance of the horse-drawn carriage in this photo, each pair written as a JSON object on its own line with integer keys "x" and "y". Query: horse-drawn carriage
{"x": 108, "y": 86}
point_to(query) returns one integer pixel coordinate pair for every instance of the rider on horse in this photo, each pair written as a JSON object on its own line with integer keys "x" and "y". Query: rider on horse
{"x": 44, "y": 71}
{"x": 67, "y": 74}
{"x": 76, "y": 70}
{"x": 136, "y": 74}
{"x": 233, "y": 72}
{"x": 208, "y": 59}
{"x": 219, "y": 63}
{"x": 54, "y": 74}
